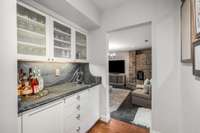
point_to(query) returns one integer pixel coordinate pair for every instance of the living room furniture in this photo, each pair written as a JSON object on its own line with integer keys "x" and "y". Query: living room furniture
{"x": 117, "y": 80}
{"x": 142, "y": 97}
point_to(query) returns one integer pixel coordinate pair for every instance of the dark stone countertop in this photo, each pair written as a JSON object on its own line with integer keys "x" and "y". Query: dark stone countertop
{"x": 56, "y": 92}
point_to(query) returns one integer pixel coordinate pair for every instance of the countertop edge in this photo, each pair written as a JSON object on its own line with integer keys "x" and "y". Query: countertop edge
{"x": 45, "y": 102}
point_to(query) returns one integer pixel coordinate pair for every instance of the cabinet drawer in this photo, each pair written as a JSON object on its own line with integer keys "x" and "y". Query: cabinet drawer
{"x": 84, "y": 96}
{"x": 71, "y": 109}
{"x": 76, "y": 129}
{"x": 71, "y": 122}
{"x": 75, "y": 99}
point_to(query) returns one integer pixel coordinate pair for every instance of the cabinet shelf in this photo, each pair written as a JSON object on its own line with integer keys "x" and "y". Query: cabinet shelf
{"x": 63, "y": 41}
{"x": 31, "y": 32}
{"x": 81, "y": 44}
{"x": 30, "y": 20}
{"x": 31, "y": 44}
{"x": 65, "y": 33}
{"x": 62, "y": 48}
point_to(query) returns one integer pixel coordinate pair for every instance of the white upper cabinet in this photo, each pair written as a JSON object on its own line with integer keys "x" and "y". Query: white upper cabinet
{"x": 42, "y": 38}
{"x": 31, "y": 33}
{"x": 81, "y": 46}
{"x": 62, "y": 40}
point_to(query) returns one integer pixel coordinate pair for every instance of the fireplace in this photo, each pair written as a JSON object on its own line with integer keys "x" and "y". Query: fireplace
{"x": 140, "y": 75}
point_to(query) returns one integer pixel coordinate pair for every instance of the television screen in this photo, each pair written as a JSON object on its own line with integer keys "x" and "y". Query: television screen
{"x": 117, "y": 66}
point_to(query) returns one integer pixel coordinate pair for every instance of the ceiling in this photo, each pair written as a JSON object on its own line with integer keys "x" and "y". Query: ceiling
{"x": 66, "y": 10}
{"x": 131, "y": 38}
{"x": 103, "y": 5}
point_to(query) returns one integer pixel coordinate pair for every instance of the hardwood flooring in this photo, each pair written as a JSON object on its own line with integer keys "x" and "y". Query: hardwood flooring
{"x": 115, "y": 126}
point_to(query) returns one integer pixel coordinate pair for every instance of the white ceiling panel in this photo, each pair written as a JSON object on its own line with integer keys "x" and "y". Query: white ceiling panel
{"x": 108, "y": 4}
{"x": 132, "y": 38}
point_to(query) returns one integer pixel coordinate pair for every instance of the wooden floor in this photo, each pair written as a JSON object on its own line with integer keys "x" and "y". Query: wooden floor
{"x": 115, "y": 126}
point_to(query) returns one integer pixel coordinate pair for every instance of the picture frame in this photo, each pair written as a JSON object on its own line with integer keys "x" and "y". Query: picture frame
{"x": 197, "y": 17}
{"x": 196, "y": 59}
{"x": 186, "y": 31}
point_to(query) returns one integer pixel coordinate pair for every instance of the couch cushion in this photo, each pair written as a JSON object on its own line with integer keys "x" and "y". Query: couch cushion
{"x": 140, "y": 93}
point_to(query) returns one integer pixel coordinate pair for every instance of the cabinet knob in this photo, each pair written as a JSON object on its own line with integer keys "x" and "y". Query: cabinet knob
{"x": 78, "y": 107}
{"x": 78, "y": 97}
{"x": 78, "y": 117}
{"x": 78, "y": 129}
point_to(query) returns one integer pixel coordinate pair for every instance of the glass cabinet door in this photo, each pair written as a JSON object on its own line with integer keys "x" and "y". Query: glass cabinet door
{"x": 31, "y": 32}
{"x": 62, "y": 41}
{"x": 81, "y": 46}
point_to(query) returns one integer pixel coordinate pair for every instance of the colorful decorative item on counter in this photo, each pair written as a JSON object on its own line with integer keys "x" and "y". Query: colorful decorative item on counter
{"x": 30, "y": 84}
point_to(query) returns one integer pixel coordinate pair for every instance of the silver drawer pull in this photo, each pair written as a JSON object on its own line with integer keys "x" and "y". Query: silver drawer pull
{"x": 78, "y": 117}
{"x": 78, "y": 129}
{"x": 78, "y": 97}
{"x": 78, "y": 107}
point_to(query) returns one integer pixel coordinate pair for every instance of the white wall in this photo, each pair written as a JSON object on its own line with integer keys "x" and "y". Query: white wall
{"x": 164, "y": 15}
{"x": 190, "y": 88}
{"x": 130, "y": 38}
{"x": 132, "y": 13}
{"x": 166, "y": 67}
{"x": 8, "y": 67}
{"x": 98, "y": 58}
{"x": 88, "y": 8}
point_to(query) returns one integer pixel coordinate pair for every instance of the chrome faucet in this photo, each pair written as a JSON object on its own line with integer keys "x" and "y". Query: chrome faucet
{"x": 77, "y": 76}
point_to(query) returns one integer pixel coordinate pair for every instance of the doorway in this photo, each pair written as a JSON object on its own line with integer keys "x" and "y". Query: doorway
{"x": 130, "y": 74}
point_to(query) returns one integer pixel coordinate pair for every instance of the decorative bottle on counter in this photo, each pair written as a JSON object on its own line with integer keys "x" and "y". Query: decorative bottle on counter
{"x": 35, "y": 83}
{"x": 40, "y": 80}
{"x": 30, "y": 77}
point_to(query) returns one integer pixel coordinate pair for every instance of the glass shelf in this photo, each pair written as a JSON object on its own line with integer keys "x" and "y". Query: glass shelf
{"x": 62, "y": 41}
{"x": 26, "y": 49}
{"x": 62, "y": 32}
{"x": 81, "y": 46}
{"x": 32, "y": 27}
{"x": 30, "y": 16}
{"x": 62, "y": 53}
{"x": 25, "y": 18}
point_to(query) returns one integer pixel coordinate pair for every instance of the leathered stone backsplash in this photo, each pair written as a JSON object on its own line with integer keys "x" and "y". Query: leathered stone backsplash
{"x": 67, "y": 70}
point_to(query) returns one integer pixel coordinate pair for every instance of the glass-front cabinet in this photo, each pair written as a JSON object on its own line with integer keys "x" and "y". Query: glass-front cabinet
{"x": 62, "y": 41}
{"x": 31, "y": 32}
{"x": 41, "y": 37}
{"x": 81, "y": 46}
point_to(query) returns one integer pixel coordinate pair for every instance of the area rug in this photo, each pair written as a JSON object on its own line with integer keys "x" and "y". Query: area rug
{"x": 143, "y": 117}
{"x": 126, "y": 112}
{"x": 117, "y": 97}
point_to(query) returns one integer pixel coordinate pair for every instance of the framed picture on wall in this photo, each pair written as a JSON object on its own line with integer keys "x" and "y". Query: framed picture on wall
{"x": 196, "y": 58}
{"x": 197, "y": 17}
{"x": 186, "y": 31}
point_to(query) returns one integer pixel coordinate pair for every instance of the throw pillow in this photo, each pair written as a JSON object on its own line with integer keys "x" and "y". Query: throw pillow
{"x": 146, "y": 88}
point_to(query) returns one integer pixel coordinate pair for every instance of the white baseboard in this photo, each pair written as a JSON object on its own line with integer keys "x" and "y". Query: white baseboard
{"x": 153, "y": 131}
{"x": 105, "y": 118}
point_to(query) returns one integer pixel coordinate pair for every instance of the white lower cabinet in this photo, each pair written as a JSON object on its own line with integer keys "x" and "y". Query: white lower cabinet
{"x": 19, "y": 124}
{"x": 75, "y": 114}
{"x": 90, "y": 109}
{"x": 85, "y": 112}
{"x": 46, "y": 119}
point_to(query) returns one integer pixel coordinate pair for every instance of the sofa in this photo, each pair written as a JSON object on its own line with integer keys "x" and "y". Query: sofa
{"x": 142, "y": 95}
